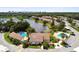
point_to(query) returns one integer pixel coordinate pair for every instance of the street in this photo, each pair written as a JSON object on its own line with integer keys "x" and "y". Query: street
{"x": 11, "y": 47}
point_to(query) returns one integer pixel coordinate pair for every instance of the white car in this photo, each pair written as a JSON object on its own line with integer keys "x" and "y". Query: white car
{"x": 3, "y": 49}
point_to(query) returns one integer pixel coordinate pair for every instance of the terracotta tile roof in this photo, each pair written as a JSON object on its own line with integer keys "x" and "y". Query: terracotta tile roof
{"x": 15, "y": 36}
{"x": 39, "y": 37}
{"x": 46, "y": 37}
{"x": 36, "y": 37}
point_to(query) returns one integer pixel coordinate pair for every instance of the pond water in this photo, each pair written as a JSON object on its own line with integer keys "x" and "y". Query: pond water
{"x": 37, "y": 26}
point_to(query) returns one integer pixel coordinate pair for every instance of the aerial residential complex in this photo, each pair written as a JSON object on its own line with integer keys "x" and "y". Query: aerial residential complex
{"x": 39, "y": 31}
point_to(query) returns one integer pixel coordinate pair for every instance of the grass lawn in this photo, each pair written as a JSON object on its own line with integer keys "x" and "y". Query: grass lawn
{"x": 34, "y": 47}
{"x": 51, "y": 47}
{"x": 33, "y": 19}
{"x": 7, "y": 38}
{"x": 49, "y": 25}
{"x": 52, "y": 39}
{"x": 39, "y": 21}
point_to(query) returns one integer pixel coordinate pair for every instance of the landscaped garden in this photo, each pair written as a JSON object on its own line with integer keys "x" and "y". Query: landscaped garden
{"x": 51, "y": 46}
{"x": 6, "y": 37}
{"x": 34, "y": 46}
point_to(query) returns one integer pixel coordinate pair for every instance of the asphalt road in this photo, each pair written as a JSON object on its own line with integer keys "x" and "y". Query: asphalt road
{"x": 11, "y": 47}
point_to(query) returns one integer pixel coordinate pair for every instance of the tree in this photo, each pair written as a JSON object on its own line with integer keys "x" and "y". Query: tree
{"x": 70, "y": 20}
{"x": 64, "y": 30}
{"x": 16, "y": 42}
{"x": 36, "y": 19}
{"x": 30, "y": 30}
{"x": 44, "y": 23}
{"x": 20, "y": 17}
{"x": 20, "y": 26}
{"x": 6, "y": 26}
{"x": 0, "y": 26}
{"x": 61, "y": 26}
{"x": 54, "y": 28}
{"x": 0, "y": 23}
{"x": 45, "y": 45}
{"x": 25, "y": 44}
{"x": 9, "y": 23}
{"x": 52, "y": 21}
{"x": 64, "y": 44}
{"x": 73, "y": 24}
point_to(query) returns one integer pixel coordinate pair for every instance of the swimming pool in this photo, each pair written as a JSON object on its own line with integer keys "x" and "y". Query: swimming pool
{"x": 59, "y": 35}
{"x": 62, "y": 35}
{"x": 23, "y": 34}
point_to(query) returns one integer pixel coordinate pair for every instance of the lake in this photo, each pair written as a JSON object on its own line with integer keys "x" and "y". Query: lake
{"x": 37, "y": 26}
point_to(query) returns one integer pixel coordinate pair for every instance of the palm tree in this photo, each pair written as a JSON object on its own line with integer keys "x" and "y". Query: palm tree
{"x": 44, "y": 23}
{"x": 52, "y": 21}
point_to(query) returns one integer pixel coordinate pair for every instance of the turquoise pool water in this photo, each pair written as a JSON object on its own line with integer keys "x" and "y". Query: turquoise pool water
{"x": 60, "y": 35}
{"x": 23, "y": 34}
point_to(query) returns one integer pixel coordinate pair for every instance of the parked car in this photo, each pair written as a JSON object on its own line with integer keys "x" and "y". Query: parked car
{"x": 67, "y": 46}
{"x": 73, "y": 34}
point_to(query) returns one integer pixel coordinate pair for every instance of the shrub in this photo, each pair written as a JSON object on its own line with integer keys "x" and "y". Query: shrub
{"x": 16, "y": 42}
{"x": 64, "y": 44}
{"x": 45, "y": 45}
{"x": 32, "y": 46}
{"x": 7, "y": 38}
{"x": 52, "y": 46}
{"x": 25, "y": 45}
{"x": 53, "y": 39}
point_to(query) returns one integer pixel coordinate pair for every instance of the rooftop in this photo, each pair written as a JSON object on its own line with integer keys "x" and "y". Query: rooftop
{"x": 39, "y": 37}
{"x": 15, "y": 36}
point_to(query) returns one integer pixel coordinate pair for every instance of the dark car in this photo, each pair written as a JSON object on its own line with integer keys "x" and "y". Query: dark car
{"x": 67, "y": 46}
{"x": 73, "y": 34}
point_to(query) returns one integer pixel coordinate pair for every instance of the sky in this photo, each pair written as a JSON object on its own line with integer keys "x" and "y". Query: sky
{"x": 40, "y": 9}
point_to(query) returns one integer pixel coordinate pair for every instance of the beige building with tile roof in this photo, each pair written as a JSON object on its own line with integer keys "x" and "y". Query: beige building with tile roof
{"x": 37, "y": 38}
{"x": 15, "y": 36}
